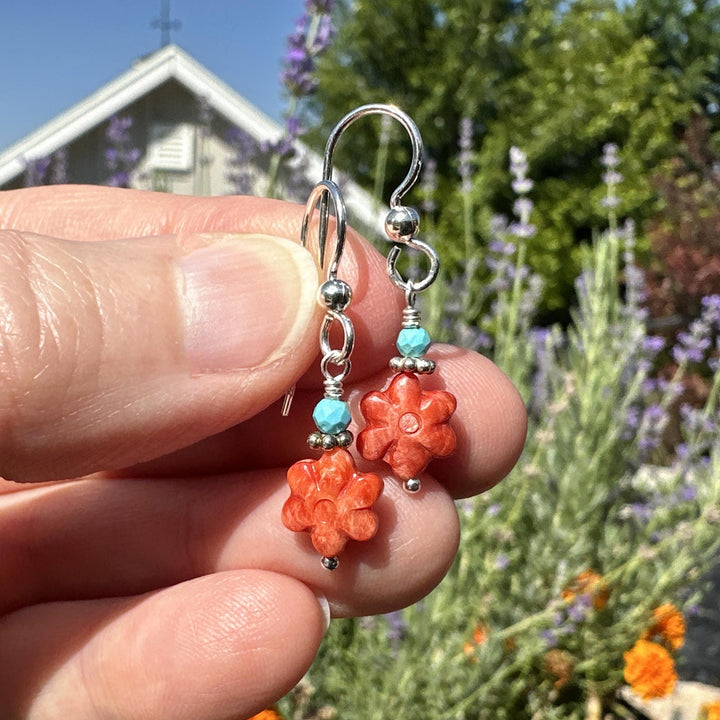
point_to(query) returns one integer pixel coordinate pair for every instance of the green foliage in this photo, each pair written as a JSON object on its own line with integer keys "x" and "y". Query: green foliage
{"x": 556, "y": 78}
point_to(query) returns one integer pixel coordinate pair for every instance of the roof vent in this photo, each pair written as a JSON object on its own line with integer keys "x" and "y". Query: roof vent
{"x": 171, "y": 147}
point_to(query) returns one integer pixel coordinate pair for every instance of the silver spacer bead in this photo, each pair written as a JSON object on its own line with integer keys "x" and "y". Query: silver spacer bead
{"x": 422, "y": 366}
{"x": 409, "y": 364}
{"x": 330, "y": 563}
{"x": 334, "y": 294}
{"x": 402, "y": 223}
{"x": 344, "y": 438}
{"x": 425, "y": 366}
{"x": 329, "y": 442}
{"x": 315, "y": 439}
{"x": 396, "y": 364}
{"x": 412, "y": 485}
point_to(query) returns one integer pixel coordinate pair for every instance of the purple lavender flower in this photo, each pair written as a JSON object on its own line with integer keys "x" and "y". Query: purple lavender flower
{"x": 652, "y": 345}
{"x": 611, "y": 177}
{"x": 711, "y": 310}
{"x": 120, "y": 156}
{"x": 59, "y": 168}
{"x": 396, "y": 627}
{"x": 465, "y": 143}
{"x": 428, "y": 186}
{"x": 313, "y": 33}
{"x": 500, "y": 247}
{"x": 35, "y": 171}
{"x": 502, "y": 562}
{"x": 550, "y": 638}
{"x": 579, "y": 608}
{"x": 521, "y": 186}
{"x": 245, "y": 150}
{"x": 692, "y": 346}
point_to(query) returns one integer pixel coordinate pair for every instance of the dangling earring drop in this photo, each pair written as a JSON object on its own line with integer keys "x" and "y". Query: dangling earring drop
{"x": 407, "y": 426}
{"x": 329, "y": 497}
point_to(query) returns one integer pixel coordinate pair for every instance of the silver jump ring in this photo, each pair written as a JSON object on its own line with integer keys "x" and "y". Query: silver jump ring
{"x": 411, "y": 286}
{"x": 330, "y": 359}
{"x": 344, "y": 352}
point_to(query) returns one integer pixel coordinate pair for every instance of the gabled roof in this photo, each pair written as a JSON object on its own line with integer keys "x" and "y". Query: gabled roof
{"x": 148, "y": 73}
{"x": 144, "y": 76}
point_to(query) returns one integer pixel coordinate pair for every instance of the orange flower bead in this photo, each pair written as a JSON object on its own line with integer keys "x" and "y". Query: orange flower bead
{"x": 331, "y": 500}
{"x": 406, "y": 426}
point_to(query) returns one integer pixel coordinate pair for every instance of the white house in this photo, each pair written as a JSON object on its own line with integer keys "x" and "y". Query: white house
{"x": 179, "y": 122}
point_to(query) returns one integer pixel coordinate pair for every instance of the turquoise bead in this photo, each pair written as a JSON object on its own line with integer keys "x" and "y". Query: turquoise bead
{"x": 413, "y": 342}
{"x": 331, "y": 416}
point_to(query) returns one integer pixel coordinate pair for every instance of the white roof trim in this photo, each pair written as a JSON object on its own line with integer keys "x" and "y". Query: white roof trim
{"x": 145, "y": 75}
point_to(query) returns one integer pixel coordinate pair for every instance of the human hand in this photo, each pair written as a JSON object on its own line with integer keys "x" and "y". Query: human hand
{"x": 160, "y": 582}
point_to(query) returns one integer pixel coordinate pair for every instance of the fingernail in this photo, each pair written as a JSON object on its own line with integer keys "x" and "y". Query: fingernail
{"x": 325, "y": 607}
{"x": 245, "y": 300}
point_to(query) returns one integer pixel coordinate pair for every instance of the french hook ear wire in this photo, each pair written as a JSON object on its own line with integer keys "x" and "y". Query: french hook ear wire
{"x": 379, "y": 109}
{"x": 324, "y": 190}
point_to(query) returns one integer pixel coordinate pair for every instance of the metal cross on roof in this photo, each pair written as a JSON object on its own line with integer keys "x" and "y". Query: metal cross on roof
{"x": 165, "y": 23}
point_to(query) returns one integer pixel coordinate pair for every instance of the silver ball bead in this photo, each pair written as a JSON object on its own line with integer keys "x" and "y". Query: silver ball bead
{"x": 402, "y": 223}
{"x": 315, "y": 440}
{"x": 409, "y": 364}
{"x": 330, "y": 563}
{"x": 396, "y": 363}
{"x": 425, "y": 366}
{"x": 412, "y": 485}
{"x": 335, "y": 294}
{"x": 344, "y": 438}
{"x": 329, "y": 442}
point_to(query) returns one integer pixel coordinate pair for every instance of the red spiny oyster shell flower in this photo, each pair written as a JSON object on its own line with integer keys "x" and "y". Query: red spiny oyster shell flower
{"x": 331, "y": 500}
{"x": 406, "y": 426}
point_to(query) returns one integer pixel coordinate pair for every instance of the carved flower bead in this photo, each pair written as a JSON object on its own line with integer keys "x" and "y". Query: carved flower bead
{"x": 331, "y": 500}
{"x": 407, "y": 426}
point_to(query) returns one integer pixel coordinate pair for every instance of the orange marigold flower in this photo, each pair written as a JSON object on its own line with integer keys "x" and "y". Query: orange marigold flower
{"x": 331, "y": 500}
{"x": 480, "y": 635}
{"x": 669, "y": 626}
{"x": 268, "y": 714}
{"x": 589, "y": 583}
{"x": 712, "y": 710}
{"x": 649, "y": 670}
{"x": 406, "y": 426}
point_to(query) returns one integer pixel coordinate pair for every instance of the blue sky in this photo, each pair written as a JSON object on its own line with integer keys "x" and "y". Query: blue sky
{"x": 53, "y": 52}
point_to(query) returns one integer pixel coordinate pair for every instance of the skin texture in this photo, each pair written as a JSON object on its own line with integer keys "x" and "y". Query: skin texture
{"x": 145, "y": 571}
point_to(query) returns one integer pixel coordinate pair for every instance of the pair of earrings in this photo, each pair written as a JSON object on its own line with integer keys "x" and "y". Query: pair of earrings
{"x": 406, "y": 426}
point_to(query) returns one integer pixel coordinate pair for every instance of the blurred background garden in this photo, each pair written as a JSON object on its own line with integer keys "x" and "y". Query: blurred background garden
{"x": 571, "y": 184}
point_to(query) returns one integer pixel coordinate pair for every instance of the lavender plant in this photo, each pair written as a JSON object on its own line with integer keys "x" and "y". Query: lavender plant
{"x": 564, "y": 566}
{"x": 311, "y": 37}
{"x": 121, "y": 156}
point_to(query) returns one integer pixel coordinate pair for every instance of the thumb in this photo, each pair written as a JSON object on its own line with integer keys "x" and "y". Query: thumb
{"x": 118, "y": 351}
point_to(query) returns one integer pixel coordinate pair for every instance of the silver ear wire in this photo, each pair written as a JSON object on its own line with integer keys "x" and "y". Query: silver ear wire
{"x": 404, "y": 119}
{"x": 334, "y": 294}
